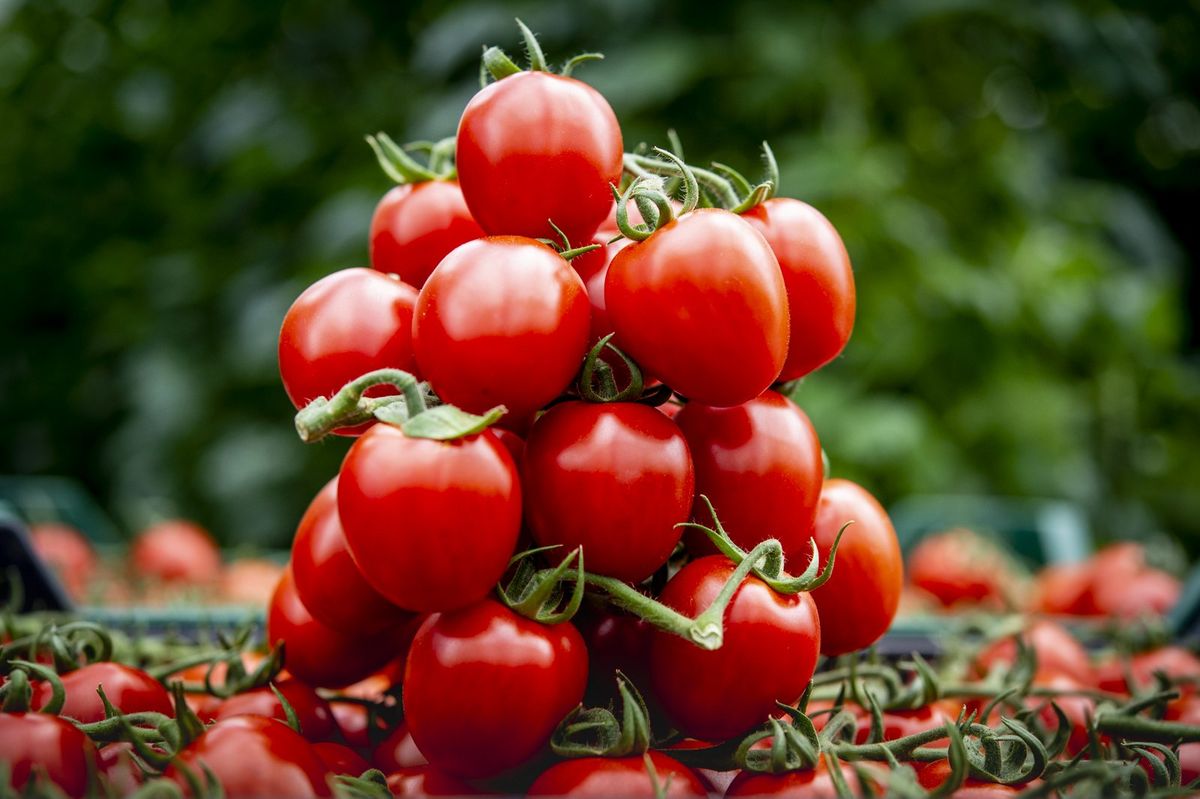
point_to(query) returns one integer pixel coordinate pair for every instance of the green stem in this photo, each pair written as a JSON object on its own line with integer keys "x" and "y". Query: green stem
{"x": 537, "y": 59}
{"x": 1144, "y": 729}
{"x": 716, "y": 185}
{"x": 497, "y": 64}
{"x": 348, "y": 407}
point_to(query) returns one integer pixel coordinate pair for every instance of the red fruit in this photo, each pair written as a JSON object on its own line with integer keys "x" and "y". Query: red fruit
{"x": 604, "y": 777}
{"x": 415, "y": 226}
{"x": 52, "y": 746}
{"x": 962, "y": 567}
{"x": 422, "y": 781}
{"x": 68, "y": 552}
{"x": 1057, "y": 651}
{"x": 130, "y": 690}
{"x": 397, "y": 752}
{"x": 313, "y": 712}
{"x": 340, "y": 759}
{"x": 812, "y": 783}
{"x": 176, "y": 551}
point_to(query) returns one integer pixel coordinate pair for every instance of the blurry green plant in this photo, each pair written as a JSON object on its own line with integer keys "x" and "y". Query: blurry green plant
{"x": 1010, "y": 182}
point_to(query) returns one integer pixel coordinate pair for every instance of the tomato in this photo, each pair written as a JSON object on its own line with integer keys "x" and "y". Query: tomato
{"x": 1174, "y": 661}
{"x": 339, "y": 759}
{"x": 613, "y": 478}
{"x": 346, "y": 324}
{"x": 416, "y": 225}
{"x": 431, "y": 524}
{"x": 130, "y": 690}
{"x": 588, "y": 264}
{"x": 421, "y": 781}
{"x": 1057, "y": 651}
{"x": 313, "y": 712}
{"x": 860, "y": 599}
{"x": 820, "y": 284}
{"x": 962, "y": 567}
{"x": 535, "y": 147}
{"x": 616, "y": 641}
{"x": 514, "y": 443}
{"x": 51, "y": 746}
{"x": 601, "y": 325}
{"x": 68, "y": 553}
{"x": 1064, "y": 589}
{"x": 251, "y": 757}
{"x": 814, "y": 783}
{"x": 702, "y": 305}
{"x": 353, "y": 722}
{"x": 1076, "y": 708}
{"x": 608, "y": 228}
{"x": 759, "y": 463}
{"x": 932, "y": 775}
{"x": 328, "y": 581}
{"x": 397, "y": 751}
{"x": 1151, "y": 593}
{"x": 318, "y": 654}
{"x": 902, "y": 723}
{"x": 501, "y": 321}
{"x": 250, "y": 581}
{"x": 769, "y": 653}
{"x": 602, "y": 777}
{"x": 118, "y": 769}
{"x": 485, "y": 688}
{"x": 176, "y": 551}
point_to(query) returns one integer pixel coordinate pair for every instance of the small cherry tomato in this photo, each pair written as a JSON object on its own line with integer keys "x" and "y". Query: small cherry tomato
{"x": 516, "y": 182}
{"x": 313, "y": 712}
{"x": 321, "y": 655}
{"x": 339, "y": 759}
{"x": 702, "y": 305}
{"x": 176, "y": 551}
{"x": 329, "y": 583}
{"x": 814, "y": 783}
{"x": 1151, "y": 593}
{"x": 759, "y": 463}
{"x": 50, "y": 745}
{"x": 419, "y": 782}
{"x": 614, "y": 478}
{"x": 501, "y": 321}
{"x": 961, "y": 567}
{"x": 1057, "y": 652}
{"x": 820, "y": 284}
{"x": 354, "y": 723}
{"x": 603, "y": 777}
{"x": 1174, "y": 661}
{"x": 397, "y": 752}
{"x": 769, "y": 653}
{"x": 250, "y": 581}
{"x": 68, "y": 553}
{"x": 902, "y": 723}
{"x": 130, "y": 690}
{"x": 118, "y": 769}
{"x": 431, "y": 524}
{"x": 616, "y": 641}
{"x": 859, "y": 601}
{"x": 932, "y": 775}
{"x": 253, "y": 757}
{"x": 416, "y": 225}
{"x": 1064, "y": 589}
{"x": 485, "y": 688}
{"x": 346, "y": 324}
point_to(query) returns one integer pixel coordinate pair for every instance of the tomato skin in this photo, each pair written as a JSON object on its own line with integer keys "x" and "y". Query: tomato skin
{"x": 340, "y": 759}
{"x": 502, "y": 320}
{"x": 702, "y": 305}
{"x": 1064, "y": 589}
{"x": 814, "y": 783}
{"x": 130, "y": 690}
{"x": 421, "y": 781}
{"x": 602, "y": 777}
{"x": 860, "y": 599}
{"x": 902, "y": 723}
{"x": 769, "y": 654}
{"x": 1174, "y": 661}
{"x": 312, "y": 711}
{"x": 820, "y": 283}
{"x": 1151, "y": 593}
{"x": 346, "y": 324}
{"x": 117, "y": 768}
{"x": 250, "y": 581}
{"x": 615, "y": 478}
{"x": 484, "y": 688}
{"x": 176, "y": 551}
{"x": 616, "y": 641}
{"x": 397, "y": 752}
{"x": 327, "y": 579}
{"x": 759, "y": 463}
{"x": 932, "y": 775}
{"x": 514, "y": 182}
{"x": 1058, "y": 652}
{"x": 51, "y": 744}
{"x": 961, "y": 567}
{"x": 251, "y": 757}
{"x": 416, "y": 225}
{"x": 431, "y": 524}
{"x": 320, "y": 655}
{"x": 68, "y": 552}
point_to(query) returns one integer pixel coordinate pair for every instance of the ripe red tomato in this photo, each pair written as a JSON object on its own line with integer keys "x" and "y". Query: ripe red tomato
{"x": 485, "y": 688}
{"x": 702, "y": 305}
{"x": 902, "y": 723}
{"x": 353, "y": 722}
{"x": 1064, "y": 589}
{"x": 397, "y": 752}
{"x": 769, "y": 654}
{"x": 416, "y": 225}
{"x": 759, "y": 463}
{"x": 118, "y": 769}
{"x": 419, "y": 782}
{"x": 1076, "y": 708}
{"x": 602, "y": 777}
{"x": 346, "y": 324}
{"x": 1151, "y": 593}
{"x": 814, "y": 783}
{"x": 1174, "y": 661}
{"x": 614, "y": 478}
{"x": 515, "y": 182}
{"x": 431, "y": 524}
{"x": 616, "y": 641}
{"x": 68, "y": 552}
{"x": 130, "y": 690}
{"x": 52, "y": 745}
{"x": 820, "y": 284}
{"x": 321, "y": 655}
{"x": 609, "y": 228}
{"x": 312, "y": 711}
{"x": 860, "y": 599}
{"x": 250, "y": 581}
{"x": 328, "y": 581}
{"x": 340, "y": 759}
{"x": 176, "y": 551}
{"x": 1058, "y": 652}
{"x": 252, "y": 757}
{"x": 932, "y": 775}
{"x": 502, "y": 320}
{"x": 962, "y": 567}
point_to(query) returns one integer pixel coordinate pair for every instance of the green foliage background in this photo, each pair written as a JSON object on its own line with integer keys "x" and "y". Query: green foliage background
{"x": 1013, "y": 181}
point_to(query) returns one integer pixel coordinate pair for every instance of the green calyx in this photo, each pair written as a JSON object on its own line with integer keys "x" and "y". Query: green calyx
{"x": 720, "y": 187}
{"x": 540, "y": 595}
{"x": 597, "y": 382}
{"x": 563, "y": 245}
{"x": 496, "y": 64}
{"x": 401, "y": 167}
{"x": 409, "y": 410}
{"x": 596, "y": 732}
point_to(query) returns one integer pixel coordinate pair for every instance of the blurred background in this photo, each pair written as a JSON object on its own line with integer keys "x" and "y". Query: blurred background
{"x": 1016, "y": 184}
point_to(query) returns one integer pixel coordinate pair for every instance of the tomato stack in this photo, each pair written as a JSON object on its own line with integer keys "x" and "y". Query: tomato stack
{"x": 575, "y": 455}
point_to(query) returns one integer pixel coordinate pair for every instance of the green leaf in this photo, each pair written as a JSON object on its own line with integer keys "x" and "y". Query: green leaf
{"x": 446, "y": 423}
{"x": 394, "y": 413}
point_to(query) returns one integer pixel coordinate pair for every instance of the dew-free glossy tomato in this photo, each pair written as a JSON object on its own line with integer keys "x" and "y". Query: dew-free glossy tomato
{"x": 603, "y": 777}
{"x": 416, "y": 225}
{"x": 312, "y": 711}
{"x": 52, "y": 745}
{"x": 176, "y": 551}
{"x": 130, "y": 690}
